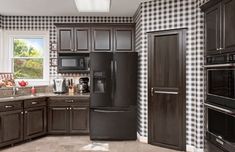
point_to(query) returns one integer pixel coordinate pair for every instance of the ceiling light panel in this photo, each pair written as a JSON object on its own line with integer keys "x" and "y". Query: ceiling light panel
{"x": 93, "y": 5}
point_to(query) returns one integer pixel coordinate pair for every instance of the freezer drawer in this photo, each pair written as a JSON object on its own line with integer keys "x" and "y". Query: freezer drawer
{"x": 113, "y": 124}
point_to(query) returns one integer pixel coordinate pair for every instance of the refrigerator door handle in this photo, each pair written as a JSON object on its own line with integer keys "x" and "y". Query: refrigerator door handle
{"x": 115, "y": 65}
{"x": 111, "y": 68}
{"x": 109, "y": 111}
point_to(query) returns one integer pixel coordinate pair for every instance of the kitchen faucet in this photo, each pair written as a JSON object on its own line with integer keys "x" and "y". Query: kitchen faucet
{"x": 14, "y": 90}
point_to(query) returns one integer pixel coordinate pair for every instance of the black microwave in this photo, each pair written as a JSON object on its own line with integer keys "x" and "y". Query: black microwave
{"x": 73, "y": 63}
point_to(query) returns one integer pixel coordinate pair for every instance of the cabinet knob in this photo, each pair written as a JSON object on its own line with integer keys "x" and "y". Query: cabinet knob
{"x": 34, "y": 102}
{"x": 26, "y": 112}
{"x": 22, "y": 112}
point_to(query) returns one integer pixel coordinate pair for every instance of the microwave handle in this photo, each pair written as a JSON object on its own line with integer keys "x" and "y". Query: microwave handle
{"x": 220, "y": 109}
{"x": 219, "y": 65}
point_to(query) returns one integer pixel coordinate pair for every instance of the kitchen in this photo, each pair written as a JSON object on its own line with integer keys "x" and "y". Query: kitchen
{"x": 75, "y": 41}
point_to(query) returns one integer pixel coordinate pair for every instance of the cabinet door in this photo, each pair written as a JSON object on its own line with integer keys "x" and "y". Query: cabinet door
{"x": 102, "y": 39}
{"x": 101, "y": 79}
{"x": 82, "y": 39}
{"x": 229, "y": 25}
{"x": 65, "y": 40}
{"x": 123, "y": 39}
{"x": 11, "y": 127}
{"x": 34, "y": 122}
{"x": 58, "y": 120}
{"x": 213, "y": 30}
{"x": 79, "y": 120}
{"x": 125, "y": 84}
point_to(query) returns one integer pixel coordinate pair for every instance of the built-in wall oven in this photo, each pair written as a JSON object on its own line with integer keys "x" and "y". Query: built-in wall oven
{"x": 220, "y": 101}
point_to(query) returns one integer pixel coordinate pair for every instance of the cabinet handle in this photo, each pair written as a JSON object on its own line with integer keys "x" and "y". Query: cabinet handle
{"x": 26, "y": 112}
{"x": 22, "y": 112}
{"x": 34, "y": 102}
{"x": 70, "y": 108}
{"x": 79, "y": 108}
{"x": 69, "y": 101}
{"x": 9, "y": 106}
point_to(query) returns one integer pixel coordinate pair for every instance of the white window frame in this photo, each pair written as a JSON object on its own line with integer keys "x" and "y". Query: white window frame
{"x": 6, "y": 55}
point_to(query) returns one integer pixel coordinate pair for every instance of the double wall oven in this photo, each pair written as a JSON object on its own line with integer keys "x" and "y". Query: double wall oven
{"x": 220, "y": 101}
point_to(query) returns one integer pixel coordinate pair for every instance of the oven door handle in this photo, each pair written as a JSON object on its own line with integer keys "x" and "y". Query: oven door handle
{"x": 220, "y": 109}
{"x": 219, "y": 65}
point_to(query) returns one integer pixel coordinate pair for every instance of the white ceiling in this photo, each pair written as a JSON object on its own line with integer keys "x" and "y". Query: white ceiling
{"x": 63, "y": 8}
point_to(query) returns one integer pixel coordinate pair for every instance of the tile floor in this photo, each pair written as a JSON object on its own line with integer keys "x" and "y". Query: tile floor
{"x": 82, "y": 144}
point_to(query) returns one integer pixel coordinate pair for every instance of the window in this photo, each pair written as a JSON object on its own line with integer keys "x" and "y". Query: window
{"x": 28, "y": 56}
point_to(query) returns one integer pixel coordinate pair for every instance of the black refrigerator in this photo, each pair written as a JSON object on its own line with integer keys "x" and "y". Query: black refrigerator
{"x": 113, "y": 95}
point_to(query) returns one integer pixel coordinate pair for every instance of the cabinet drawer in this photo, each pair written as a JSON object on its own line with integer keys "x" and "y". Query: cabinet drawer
{"x": 11, "y": 105}
{"x": 68, "y": 101}
{"x": 34, "y": 102}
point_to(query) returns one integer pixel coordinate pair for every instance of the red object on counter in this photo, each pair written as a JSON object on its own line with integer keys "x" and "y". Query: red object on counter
{"x": 33, "y": 90}
{"x": 23, "y": 83}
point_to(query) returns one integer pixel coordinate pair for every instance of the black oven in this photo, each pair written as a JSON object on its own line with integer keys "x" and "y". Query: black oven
{"x": 220, "y": 72}
{"x": 220, "y": 101}
{"x": 73, "y": 63}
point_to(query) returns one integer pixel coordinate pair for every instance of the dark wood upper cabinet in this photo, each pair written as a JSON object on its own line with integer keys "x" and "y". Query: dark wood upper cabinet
{"x": 102, "y": 39}
{"x": 219, "y": 26}
{"x": 123, "y": 39}
{"x": 228, "y": 7}
{"x": 212, "y": 30}
{"x": 73, "y": 39}
{"x": 82, "y": 39}
{"x": 65, "y": 39}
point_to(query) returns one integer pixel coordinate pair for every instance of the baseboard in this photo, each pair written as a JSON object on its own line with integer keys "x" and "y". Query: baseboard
{"x": 142, "y": 139}
{"x": 193, "y": 149}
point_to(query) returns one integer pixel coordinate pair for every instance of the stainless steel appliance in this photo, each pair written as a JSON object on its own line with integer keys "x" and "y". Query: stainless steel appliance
{"x": 220, "y": 101}
{"x": 59, "y": 85}
{"x": 73, "y": 63}
{"x": 113, "y": 95}
{"x": 83, "y": 86}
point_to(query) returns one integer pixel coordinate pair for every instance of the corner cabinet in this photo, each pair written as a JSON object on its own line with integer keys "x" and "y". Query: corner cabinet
{"x": 79, "y": 38}
{"x": 219, "y": 26}
{"x": 68, "y": 115}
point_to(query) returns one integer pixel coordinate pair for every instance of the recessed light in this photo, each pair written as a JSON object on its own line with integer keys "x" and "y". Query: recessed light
{"x": 93, "y": 5}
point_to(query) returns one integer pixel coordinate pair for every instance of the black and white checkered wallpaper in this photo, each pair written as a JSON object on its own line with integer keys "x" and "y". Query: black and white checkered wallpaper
{"x": 31, "y": 23}
{"x": 0, "y": 21}
{"x": 159, "y": 15}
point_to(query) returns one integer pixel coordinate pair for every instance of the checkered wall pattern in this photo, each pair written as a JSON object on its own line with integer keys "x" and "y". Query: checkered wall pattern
{"x": 31, "y": 23}
{"x": 159, "y": 15}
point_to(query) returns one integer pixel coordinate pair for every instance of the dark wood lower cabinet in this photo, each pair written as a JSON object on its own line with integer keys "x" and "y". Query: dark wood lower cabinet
{"x": 35, "y": 122}
{"x": 23, "y": 120}
{"x": 68, "y": 120}
{"x": 79, "y": 120}
{"x": 11, "y": 127}
{"x": 57, "y": 120}
{"x": 68, "y": 116}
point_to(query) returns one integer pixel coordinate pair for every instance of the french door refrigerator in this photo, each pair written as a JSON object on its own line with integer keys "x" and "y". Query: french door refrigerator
{"x": 113, "y": 95}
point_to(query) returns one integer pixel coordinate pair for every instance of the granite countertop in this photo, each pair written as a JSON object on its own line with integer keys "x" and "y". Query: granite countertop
{"x": 41, "y": 95}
